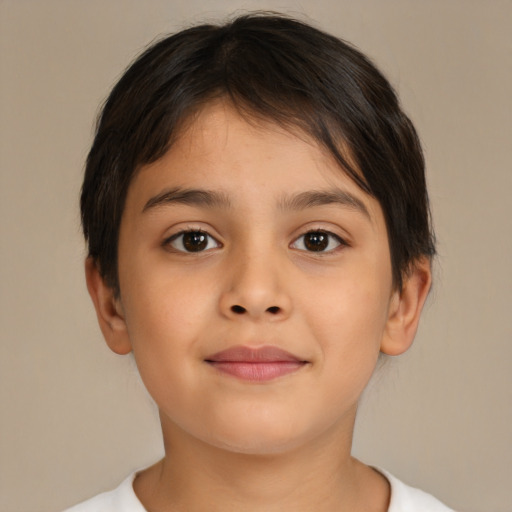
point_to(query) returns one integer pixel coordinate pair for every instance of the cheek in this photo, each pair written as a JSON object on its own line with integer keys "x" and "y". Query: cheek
{"x": 160, "y": 299}
{"x": 348, "y": 321}
{"x": 165, "y": 317}
{"x": 353, "y": 303}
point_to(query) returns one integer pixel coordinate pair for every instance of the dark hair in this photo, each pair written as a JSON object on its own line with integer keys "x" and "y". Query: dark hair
{"x": 272, "y": 67}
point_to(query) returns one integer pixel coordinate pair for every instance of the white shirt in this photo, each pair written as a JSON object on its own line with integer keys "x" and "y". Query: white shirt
{"x": 124, "y": 499}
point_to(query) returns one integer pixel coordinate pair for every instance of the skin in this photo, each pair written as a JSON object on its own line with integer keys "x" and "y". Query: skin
{"x": 233, "y": 444}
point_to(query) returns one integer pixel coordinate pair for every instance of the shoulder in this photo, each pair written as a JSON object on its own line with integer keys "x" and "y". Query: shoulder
{"x": 121, "y": 499}
{"x": 410, "y": 499}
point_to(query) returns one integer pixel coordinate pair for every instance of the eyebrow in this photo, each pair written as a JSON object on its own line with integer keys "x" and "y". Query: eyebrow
{"x": 313, "y": 198}
{"x": 301, "y": 201}
{"x": 195, "y": 197}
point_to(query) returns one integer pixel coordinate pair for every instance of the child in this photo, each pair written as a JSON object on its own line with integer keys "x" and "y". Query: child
{"x": 258, "y": 228}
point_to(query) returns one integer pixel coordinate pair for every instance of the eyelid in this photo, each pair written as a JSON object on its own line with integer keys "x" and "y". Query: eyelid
{"x": 167, "y": 242}
{"x": 341, "y": 242}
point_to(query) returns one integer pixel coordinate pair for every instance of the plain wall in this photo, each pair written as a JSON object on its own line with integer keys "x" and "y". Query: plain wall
{"x": 74, "y": 419}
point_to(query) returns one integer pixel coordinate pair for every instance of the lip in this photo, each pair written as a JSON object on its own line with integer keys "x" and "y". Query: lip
{"x": 255, "y": 364}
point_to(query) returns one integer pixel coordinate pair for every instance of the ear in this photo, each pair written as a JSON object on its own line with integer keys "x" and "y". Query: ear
{"x": 405, "y": 309}
{"x": 108, "y": 309}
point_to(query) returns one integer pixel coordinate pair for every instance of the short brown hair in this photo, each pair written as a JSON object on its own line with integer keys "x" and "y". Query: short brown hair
{"x": 273, "y": 67}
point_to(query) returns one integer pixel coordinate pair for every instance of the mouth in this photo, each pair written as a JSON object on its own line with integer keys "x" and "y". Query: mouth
{"x": 255, "y": 364}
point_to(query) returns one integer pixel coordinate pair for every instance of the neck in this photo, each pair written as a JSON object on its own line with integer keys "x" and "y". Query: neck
{"x": 321, "y": 476}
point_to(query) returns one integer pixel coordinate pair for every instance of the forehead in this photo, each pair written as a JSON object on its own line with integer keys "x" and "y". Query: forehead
{"x": 239, "y": 156}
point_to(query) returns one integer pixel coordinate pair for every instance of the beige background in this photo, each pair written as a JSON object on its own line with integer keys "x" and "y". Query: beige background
{"x": 74, "y": 420}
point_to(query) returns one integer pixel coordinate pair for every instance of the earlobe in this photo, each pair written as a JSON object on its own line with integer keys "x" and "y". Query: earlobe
{"x": 108, "y": 310}
{"x": 405, "y": 309}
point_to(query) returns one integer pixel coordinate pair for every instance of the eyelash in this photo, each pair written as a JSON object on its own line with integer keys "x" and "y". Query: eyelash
{"x": 340, "y": 243}
{"x": 168, "y": 242}
{"x": 180, "y": 235}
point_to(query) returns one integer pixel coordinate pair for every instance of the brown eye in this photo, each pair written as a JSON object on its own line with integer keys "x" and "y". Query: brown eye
{"x": 192, "y": 241}
{"x": 317, "y": 241}
{"x": 195, "y": 242}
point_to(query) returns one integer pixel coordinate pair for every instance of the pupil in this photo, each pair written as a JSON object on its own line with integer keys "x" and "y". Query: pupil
{"x": 316, "y": 241}
{"x": 195, "y": 241}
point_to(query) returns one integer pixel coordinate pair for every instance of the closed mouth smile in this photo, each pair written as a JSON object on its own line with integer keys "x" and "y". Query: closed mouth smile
{"x": 255, "y": 364}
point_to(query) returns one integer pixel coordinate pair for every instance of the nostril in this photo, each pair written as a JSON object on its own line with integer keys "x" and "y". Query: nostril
{"x": 273, "y": 309}
{"x": 238, "y": 309}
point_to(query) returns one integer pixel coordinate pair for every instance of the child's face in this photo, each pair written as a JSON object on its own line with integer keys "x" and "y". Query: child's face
{"x": 249, "y": 277}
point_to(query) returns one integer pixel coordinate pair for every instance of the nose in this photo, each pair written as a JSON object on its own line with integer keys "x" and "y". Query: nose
{"x": 255, "y": 288}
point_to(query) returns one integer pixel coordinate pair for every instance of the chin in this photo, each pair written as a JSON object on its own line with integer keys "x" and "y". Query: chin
{"x": 258, "y": 446}
{"x": 263, "y": 438}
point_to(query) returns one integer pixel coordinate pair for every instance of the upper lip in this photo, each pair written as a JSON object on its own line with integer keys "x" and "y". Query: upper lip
{"x": 243, "y": 354}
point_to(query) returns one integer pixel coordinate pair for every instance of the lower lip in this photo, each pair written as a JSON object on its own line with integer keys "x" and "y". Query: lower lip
{"x": 257, "y": 372}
